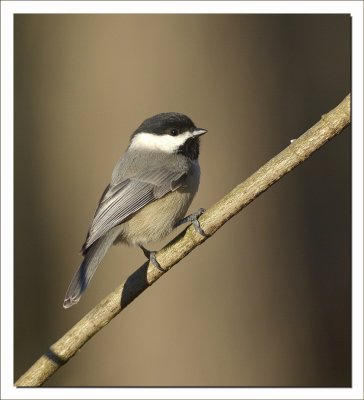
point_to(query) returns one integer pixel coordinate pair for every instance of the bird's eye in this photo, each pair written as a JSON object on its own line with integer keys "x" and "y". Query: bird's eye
{"x": 174, "y": 132}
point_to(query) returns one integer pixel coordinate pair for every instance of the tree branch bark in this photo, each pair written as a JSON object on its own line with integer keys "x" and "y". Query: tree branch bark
{"x": 67, "y": 346}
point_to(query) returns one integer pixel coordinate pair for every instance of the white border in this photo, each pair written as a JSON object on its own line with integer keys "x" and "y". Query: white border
{"x": 165, "y": 7}
{"x": 355, "y": 8}
{"x": 357, "y": 200}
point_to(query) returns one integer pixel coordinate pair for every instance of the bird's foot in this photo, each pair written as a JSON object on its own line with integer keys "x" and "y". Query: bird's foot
{"x": 151, "y": 256}
{"x": 193, "y": 218}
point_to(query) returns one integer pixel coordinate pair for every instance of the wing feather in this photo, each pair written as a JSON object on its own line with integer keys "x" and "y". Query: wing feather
{"x": 122, "y": 200}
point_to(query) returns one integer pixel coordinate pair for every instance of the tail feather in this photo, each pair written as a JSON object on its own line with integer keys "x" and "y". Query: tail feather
{"x": 93, "y": 256}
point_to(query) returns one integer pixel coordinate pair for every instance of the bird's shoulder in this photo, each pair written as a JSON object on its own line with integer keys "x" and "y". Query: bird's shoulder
{"x": 140, "y": 166}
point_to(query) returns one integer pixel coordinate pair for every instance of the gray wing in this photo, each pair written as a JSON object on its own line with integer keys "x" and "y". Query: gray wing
{"x": 122, "y": 200}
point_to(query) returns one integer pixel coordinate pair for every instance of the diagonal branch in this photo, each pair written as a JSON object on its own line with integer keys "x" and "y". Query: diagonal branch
{"x": 67, "y": 346}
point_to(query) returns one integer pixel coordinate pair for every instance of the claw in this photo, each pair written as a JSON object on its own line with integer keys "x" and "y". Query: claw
{"x": 151, "y": 256}
{"x": 193, "y": 218}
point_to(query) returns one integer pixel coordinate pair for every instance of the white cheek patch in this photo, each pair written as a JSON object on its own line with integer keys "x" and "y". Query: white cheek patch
{"x": 165, "y": 143}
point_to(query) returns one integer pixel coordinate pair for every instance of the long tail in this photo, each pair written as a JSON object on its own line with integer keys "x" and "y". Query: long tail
{"x": 95, "y": 253}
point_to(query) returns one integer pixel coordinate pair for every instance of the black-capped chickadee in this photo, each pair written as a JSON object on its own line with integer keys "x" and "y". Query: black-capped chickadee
{"x": 151, "y": 188}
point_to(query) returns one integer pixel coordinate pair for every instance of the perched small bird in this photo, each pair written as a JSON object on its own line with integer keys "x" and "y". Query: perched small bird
{"x": 151, "y": 188}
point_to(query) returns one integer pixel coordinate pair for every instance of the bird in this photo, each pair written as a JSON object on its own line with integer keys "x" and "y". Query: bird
{"x": 151, "y": 188}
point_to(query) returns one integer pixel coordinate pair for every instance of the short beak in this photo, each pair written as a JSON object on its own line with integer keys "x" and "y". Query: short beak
{"x": 199, "y": 132}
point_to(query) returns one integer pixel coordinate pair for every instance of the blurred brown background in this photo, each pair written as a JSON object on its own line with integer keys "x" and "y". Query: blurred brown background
{"x": 264, "y": 302}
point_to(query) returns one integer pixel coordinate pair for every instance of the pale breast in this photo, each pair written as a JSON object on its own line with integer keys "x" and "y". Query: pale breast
{"x": 156, "y": 220}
